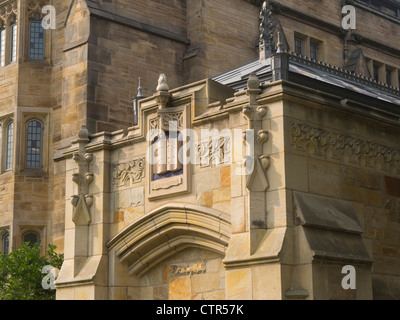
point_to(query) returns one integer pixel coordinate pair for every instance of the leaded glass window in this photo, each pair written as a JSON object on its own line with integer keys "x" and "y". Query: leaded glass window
{"x": 36, "y": 38}
{"x": 314, "y": 51}
{"x": 13, "y": 42}
{"x": 32, "y": 238}
{"x": 298, "y": 46}
{"x": 9, "y": 146}
{"x": 6, "y": 244}
{"x": 376, "y": 73}
{"x": 3, "y": 46}
{"x": 389, "y": 77}
{"x": 34, "y": 144}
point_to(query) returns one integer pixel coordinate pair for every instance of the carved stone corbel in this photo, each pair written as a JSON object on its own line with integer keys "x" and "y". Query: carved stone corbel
{"x": 83, "y": 200}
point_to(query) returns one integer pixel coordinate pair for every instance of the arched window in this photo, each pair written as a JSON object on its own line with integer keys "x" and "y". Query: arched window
{"x": 36, "y": 38}
{"x": 32, "y": 238}
{"x": 6, "y": 244}
{"x": 2, "y": 46}
{"x": 9, "y": 146}
{"x": 34, "y": 137}
{"x": 13, "y": 41}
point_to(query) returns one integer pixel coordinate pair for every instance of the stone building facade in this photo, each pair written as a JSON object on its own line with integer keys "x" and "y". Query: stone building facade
{"x": 309, "y": 109}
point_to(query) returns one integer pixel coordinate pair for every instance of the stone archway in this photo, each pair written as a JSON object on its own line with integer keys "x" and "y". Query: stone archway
{"x": 190, "y": 231}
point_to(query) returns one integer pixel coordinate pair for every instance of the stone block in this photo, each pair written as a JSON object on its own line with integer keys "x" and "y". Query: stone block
{"x": 267, "y": 282}
{"x": 147, "y": 293}
{"x": 296, "y": 173}
{"x": 277, "y": 208}
{"x": 207, "y": 181}
{"x": 238, "y": 215}
{"x": 324, "y": 178}
{"x": 239, "y": 284}
{"x": 392, "y": 186}
{"x": 206, "y": 199}
{"x": 368, "y": 180}
{"x": 206, "y": 282}
{"x": 352, "y": 192}
{"x": 226, "y": 177}
{"x": 221, "y": 195}
{"x": 161, "y": 293}
{"x": 180, "y": 289}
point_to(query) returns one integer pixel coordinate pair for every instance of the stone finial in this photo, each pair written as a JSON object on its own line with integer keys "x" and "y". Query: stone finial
{"x": 162, "y": 84}
{"x": 279, "y": 46}
{"x": 267, "y": 43}
{"x": 253, "y": 83}
{"x": 140, "y": 89}
{"x": 253, "y": 88}
{"x": 83, "y": 133}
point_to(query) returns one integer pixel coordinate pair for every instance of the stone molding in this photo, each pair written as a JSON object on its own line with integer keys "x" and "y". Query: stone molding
{"x": 8, "y": 9}
{"x": 340, "y": 147}
{"x": 168, "y": 230}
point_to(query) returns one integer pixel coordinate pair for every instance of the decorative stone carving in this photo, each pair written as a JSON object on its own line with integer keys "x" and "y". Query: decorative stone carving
{"x": 265, "y": 162}
{"x": 83, "y": 200}
{"x": 166, "y": 173}
{"x": 162, "y": 83}
{"x": 340, "y": 147}
{"x": 247, "y": 111}
{"x": 167, "y": 118}
{"x": 163, "y": 96}
{"x": 35, "y": 6}
{"x": 214, "y": 151}
{"x": 7, "y": 10}
{"x": 262, "y": 111}
{"x": 130, "y": 172}
{"x": 263, "y": 136}
{"x": 6, "y": 119}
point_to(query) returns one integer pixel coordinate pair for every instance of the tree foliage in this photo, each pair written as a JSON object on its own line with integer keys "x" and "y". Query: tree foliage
{"x": 21, "y": 273}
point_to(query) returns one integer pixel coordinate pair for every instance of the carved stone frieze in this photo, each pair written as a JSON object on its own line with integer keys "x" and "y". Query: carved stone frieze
{"x": 130, "y": 172}
{"x": 337, "y": 146}
{"x": 214, "y": 151}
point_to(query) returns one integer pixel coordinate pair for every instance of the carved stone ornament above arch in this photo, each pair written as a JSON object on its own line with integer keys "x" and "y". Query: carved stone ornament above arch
{"x": 35, "y": 6}
{"x": 6, "y": 119}
{"x": 8, "y": 10}
{"x": 168, "y": 230}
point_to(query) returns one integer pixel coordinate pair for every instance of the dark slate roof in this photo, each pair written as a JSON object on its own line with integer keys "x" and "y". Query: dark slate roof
{"x": 305, "y": 68}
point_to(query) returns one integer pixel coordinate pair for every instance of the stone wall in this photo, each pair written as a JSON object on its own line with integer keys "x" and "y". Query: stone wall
{"x": 354, "y": 159}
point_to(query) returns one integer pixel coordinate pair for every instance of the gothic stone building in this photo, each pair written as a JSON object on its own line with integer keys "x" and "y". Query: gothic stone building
{"x": 311, "y": 106}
